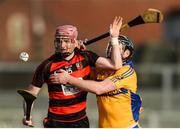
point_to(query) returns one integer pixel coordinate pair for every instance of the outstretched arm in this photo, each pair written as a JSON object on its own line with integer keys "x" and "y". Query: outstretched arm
{"x": 87, "y": 85}
{"x": 93, "y": 86}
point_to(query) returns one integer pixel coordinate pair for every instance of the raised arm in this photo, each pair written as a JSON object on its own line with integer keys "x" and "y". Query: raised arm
{"x": 116, "y": 61}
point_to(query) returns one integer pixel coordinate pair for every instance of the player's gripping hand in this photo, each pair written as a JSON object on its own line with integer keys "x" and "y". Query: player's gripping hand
{"x": 27, "y": 122}
{"x": 62, "y": 77}
{"x": 80, "y": 44}
{"x": 116, "y": 26}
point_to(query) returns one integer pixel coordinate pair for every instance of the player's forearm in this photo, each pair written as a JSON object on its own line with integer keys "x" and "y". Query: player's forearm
{"x": 93, "y": 86}
{"x": 34, "y": 89}
{"x": 86, "y": 85}
{"x": 116, "y": 48}
{"x": 116, "y": 58}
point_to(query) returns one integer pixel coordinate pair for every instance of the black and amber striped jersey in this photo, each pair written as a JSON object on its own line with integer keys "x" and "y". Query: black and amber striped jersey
{"x": 66, "y": 103}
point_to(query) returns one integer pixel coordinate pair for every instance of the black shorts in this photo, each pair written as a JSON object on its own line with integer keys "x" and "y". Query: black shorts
{"x": 83, "y": 123}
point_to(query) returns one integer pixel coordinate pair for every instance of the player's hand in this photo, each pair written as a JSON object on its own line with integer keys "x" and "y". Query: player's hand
{"x": 27, "y": 122}
{"x": 62, "y": 77}
{"x": 116, "y": 26}
{"x": 80, "y": 44}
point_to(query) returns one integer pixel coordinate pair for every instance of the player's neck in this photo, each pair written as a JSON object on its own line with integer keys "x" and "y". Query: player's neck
{"x": 70, "y": 56}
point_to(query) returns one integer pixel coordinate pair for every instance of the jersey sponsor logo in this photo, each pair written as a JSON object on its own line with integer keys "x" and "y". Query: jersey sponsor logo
{"x": 116, "y": 92}
{"x": 69, "y": 89}
{"x": 66, "y": 68}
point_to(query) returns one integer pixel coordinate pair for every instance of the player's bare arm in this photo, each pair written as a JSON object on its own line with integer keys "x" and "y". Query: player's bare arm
{"x": 116, "y": 61}
{"x": 87, "y": 85}
{"x": 34, "y": 89}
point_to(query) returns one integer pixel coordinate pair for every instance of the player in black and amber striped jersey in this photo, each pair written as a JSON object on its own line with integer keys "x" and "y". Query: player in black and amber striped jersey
{"x": 67, "y": 104}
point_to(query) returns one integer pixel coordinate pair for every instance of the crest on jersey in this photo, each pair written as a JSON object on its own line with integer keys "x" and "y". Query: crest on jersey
{"x": 79, "y": 65}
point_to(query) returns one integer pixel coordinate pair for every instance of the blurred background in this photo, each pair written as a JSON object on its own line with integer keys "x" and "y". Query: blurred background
{"x": 29, "y": 25}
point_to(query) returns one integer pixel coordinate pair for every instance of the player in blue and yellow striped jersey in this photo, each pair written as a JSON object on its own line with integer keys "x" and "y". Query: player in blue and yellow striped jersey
{"x": 118, "y": 103}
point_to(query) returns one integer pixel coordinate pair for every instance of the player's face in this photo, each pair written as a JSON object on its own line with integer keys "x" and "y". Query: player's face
{"x": 64, "y": 44}
{"x": 125, "y": 53}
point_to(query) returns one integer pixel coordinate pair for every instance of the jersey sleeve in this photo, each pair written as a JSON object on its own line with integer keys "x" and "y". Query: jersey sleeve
{"x": 125, "y": 78}
{"x": 40, "y": 74}
{"x": 92, "y": 57}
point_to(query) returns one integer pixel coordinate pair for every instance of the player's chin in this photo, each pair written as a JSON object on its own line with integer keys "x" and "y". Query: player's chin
{"x": 63, "y": 51}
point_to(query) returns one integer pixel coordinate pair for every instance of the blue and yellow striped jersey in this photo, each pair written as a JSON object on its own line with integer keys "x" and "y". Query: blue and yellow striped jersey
{"x": 120, "y": 108}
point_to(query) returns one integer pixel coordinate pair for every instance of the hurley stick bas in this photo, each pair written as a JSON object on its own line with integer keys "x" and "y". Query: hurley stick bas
{"x": 148, "y": 16}
{"x": 29, "y": 99}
